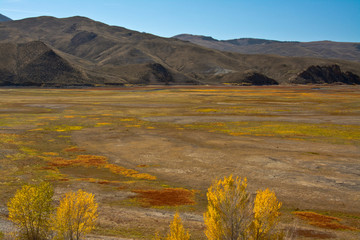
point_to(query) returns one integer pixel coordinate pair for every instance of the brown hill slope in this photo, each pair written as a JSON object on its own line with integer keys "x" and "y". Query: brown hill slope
{"x": 113, "y": 55}
{"x": 35, "y": 64}
{"x": 320, "y": 49}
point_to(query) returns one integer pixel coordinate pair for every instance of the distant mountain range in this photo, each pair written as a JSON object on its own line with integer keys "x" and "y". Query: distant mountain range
{"x": 4, "y": 18}
{"x": 320, "y": 49}
{"x": 77, "y": 51}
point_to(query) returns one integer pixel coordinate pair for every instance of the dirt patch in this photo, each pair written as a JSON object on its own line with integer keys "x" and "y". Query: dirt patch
{"x": 323, "y": 221}
{"x": 166, "y": 197}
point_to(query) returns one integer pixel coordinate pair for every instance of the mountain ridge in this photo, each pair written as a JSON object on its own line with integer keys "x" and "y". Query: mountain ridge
{"x": 112, "y": 55}
{"x": 322, "y": 49}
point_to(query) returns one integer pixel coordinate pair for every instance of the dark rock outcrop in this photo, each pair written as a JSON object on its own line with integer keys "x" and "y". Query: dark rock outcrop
{"x": 156, "y": 73}
{"x": 325, "y": 74}
{"x": 248, "y": 78}
{"x": 161, "y": 73}
{"x": 82, "y": 38}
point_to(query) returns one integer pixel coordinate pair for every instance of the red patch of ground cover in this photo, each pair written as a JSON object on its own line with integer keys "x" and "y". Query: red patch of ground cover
{"x": 323, "y": 221}
{"x": 166, "y": 197}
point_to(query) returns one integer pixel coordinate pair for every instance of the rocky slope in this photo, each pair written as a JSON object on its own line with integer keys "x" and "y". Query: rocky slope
{"x": 326, "y": 74}
{"x": 80, "y": 51}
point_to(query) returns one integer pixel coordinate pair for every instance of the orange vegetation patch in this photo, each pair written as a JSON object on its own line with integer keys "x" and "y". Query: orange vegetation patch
{"x": 51, "y": 153}
{"x": 74, "y": 149}
{"x": 81, "y": 160}
{"x": 142, "y": 165}
{"x": 103, "y": 123}
{"x": 100, "y": 162}
{"x": 166, "y": 197}
{"x": 49, "y": 168}
{"x": 323, "y": 221}
{"x": 129, "y": 172}
{"x": 309, "y": 233}
{"x": 99, "y": 181}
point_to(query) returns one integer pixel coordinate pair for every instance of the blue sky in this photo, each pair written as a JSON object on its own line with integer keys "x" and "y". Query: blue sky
{"x": 291, "y": 20}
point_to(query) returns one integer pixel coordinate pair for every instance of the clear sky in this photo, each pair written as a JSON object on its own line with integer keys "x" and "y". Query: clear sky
{"x": 291, "y": 20}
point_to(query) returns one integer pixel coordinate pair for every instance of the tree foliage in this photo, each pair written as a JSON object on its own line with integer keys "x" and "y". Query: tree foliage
{"x": 266, "y": 213}
{"x": 232, "y": 216}
{"x": 75, "y": 216}
{"x": 228, "y": 216}
{"x": 30, "y": 210}
{"x": 177, "y": 231}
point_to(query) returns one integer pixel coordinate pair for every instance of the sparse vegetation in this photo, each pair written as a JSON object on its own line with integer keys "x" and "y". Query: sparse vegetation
{"x": 157, "y": 157}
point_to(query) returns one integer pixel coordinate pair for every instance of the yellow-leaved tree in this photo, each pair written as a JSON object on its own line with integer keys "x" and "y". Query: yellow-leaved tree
{"x": 30, "y": 210}
{"x": 75, "y": 216}
{"x": 177, "y": 231}
{"x": 229, "y": 212}
{"x": 266, "y": 216}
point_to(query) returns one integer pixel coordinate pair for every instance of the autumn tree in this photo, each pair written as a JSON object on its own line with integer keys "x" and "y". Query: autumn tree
{"x": 157, "y": 236}
{"x": 229, "y": 212}
{"x": 30, "y": 210}
{"x": 177, "y": 231}
{"x": 75, "y": 216}
{"x": 266, "y": 216}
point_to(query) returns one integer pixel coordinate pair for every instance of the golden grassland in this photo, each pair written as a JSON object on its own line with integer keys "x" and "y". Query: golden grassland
{"x": 36, "y": 127}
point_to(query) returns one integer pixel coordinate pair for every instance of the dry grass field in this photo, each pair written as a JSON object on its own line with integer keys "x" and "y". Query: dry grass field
{"x": 146, "y": 152}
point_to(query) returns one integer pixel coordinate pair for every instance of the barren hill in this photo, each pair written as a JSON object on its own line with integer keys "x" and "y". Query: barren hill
{"x": 319, "y": 49}
{"x": 98, "y": 54}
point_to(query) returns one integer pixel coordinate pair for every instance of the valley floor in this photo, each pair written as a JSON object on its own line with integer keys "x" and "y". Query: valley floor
{"x": 154, "y": 143}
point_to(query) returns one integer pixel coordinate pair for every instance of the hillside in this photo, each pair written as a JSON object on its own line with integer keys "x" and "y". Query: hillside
{"x": 99, "y": 54}
{"x": 319, "y": 49}
{"x": 4, "y": 18}
{"x": 35, "y": 64}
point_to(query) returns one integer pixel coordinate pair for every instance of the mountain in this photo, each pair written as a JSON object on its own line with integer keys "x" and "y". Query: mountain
{"x": 320, "y": 49}
{"x": 4, "y": 18}
{"x": 48, "y": 51}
